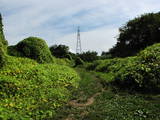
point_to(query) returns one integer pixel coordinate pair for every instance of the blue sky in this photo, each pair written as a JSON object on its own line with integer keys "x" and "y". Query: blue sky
{"x": 57, "y": 21}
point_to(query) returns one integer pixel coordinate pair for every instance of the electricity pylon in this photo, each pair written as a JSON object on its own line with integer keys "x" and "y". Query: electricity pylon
{"x": 78, "y": 47}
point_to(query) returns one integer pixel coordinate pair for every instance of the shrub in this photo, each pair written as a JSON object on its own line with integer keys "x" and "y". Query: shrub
{"x": 2, "y": 56}
{"x": 59, "y": 51}
{"x": 34, "y": 48}
{"x": 30, "y": 90}
{"x": 64, "y": 61}
{"x": 78, "y": 61}
{"x": 12, "y": 51}
{"x": 93, "y": 65}
{"x": 145, "y": 71}
{"x": 69, "y": 56}
{"x": 135, "y": 73}
{"x": 89, "y": 56}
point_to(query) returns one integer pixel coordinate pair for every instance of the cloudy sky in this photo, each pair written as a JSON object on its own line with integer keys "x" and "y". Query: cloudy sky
{"x": 56, "y": 21}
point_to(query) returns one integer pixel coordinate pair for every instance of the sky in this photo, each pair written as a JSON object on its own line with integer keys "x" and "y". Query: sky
{"x": 56, "y": 21}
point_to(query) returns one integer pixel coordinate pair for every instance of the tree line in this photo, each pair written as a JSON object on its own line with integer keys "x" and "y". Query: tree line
{"x": 134, "y": 36}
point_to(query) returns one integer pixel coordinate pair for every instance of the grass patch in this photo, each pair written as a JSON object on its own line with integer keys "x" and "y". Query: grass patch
{"x": 123, "y": 106}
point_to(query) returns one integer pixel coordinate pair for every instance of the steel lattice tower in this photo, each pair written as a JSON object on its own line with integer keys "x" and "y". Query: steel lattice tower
{"x": 78, "y": 47}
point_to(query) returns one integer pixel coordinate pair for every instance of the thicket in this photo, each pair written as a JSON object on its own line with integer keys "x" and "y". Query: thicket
{"x": 135, "y": 73}
{"x": 30, "y": 90}
{"x": 88, "y": 56}
{"x": 60, "y": 51}
{"x": 34, "y": 48}
{"x": 78, "y": 61}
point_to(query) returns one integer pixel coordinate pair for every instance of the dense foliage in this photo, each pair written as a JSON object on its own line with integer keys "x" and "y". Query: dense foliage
{"x": 31, "y": 90}
{"x": 78, "y": 61}
{"x": 34, "y": 48}
{"x": 88, "y": 56}
{"x": 106, "y": 55}
{"x": 3, "y": 44}
{"x": 60, "y": 51}
{"x": 135, "y": 73}
{"x": 137, "y": 34}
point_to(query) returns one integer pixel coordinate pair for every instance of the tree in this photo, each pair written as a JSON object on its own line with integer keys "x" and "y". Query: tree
{"x": 88, "y": 56}
{"x": 34, "y": 48}
{"x": 137, "y": 34}
{"x": 3, "y": 45}
{"x": 106, "y": 55}
{"x": 59, "y": 51}
{"x": 78, "y": 61}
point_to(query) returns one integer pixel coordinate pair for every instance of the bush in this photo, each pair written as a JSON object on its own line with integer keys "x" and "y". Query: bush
{"x": 34, "y": 48}
{"x": 93, "y": 65}
{"x": 145, "y": 71}
{"x": 69, "y": 56}
{"x": 89, "y": 56}
{"x": 59, "y": 51}
{"x": 64, "y": 61}
{"x": 12, "y": 51}
{"x": 2, "y": 56}
{"x": 30, "y": 90}
{"x": 135, "y": 73}
{"x": 78, "y": 61}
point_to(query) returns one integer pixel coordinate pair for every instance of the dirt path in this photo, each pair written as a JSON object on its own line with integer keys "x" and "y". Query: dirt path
{"x": 90, "y": 101}
{"x": 75, "y": 103}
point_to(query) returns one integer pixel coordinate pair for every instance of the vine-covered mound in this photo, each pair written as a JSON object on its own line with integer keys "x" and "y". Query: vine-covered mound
{"x": 31, "y": 90}
{"x": 141, "y": 72}
{"x": 34, "y": 48}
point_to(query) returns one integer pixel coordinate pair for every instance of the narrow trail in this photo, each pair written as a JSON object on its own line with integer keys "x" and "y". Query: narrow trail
{"x": 90, "y": 87}
{"x": 90, "y": 101}
{"x": 75, "y": 103}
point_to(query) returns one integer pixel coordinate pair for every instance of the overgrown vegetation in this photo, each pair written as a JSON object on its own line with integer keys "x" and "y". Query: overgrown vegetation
{"x": 110, "y": 104}
{"x": 3, "y": 45}
{"x": 60, "y": 51}
{"x": 78, "y": 61}
{"x": 88, "y": 56}
{"x": 135, "y": 73}
{"x": 34, "y": 48}
{"x": 32, "y": 90}
{"x": 29, "y": 90}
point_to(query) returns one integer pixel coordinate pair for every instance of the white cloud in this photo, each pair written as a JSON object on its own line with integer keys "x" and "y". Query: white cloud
{"x": 97, "y": 40}
{"x": 52, "y": 19}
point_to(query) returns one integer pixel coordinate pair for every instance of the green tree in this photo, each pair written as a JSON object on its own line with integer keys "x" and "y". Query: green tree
{"x": 78, "y": 61}
{"x": 89, "y": 56}
{"x": 34, "y": 48}
{"x": 3, "y": 45}
{"x": 60, "y": 51}
{"x": 106, "y": 55}
{"x": 137, "y": 34}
